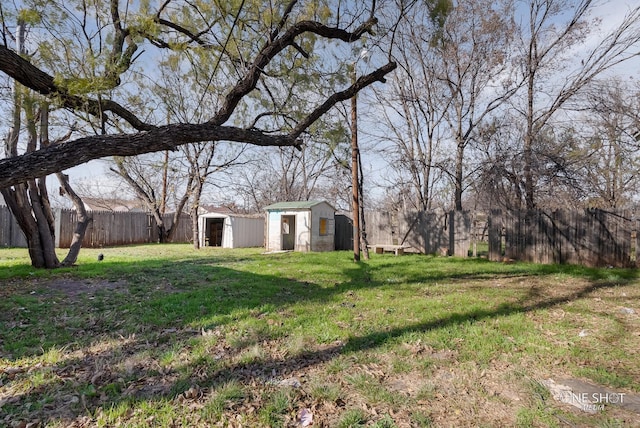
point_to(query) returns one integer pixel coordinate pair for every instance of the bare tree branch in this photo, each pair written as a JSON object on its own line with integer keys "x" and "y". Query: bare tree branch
{"x": 272, "y": 48}
{"x": 362, "y": 82}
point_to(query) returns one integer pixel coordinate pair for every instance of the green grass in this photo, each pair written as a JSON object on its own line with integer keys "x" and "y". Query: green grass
{"x": 393, "y": 341}
{"x": 352, "y": 418}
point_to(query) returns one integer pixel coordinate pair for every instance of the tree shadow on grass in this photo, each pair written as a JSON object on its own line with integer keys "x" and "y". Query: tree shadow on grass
{"x": 126, "y": 367}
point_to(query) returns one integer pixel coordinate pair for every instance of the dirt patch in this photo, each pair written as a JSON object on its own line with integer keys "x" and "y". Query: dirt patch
{"x": 76, "y": 288}
{"x": 67, "y": 287}
{"x": 73, "y": 288}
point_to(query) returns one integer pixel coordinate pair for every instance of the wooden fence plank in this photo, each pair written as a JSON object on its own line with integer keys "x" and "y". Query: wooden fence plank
{"x": 10, "y": 233}
{"x": 495, "y": 225}
{"x": 460, "y": 232}
{"x": 637, "y": 241}
{"x": 110, "y": 228}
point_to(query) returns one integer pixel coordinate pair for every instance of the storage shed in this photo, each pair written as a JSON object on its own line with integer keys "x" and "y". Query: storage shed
{"x": 231, "y": 230}
{"x": 300, "y": 226}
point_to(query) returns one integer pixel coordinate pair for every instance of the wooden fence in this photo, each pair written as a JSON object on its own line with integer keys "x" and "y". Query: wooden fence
{"x": 436, "y": 232}
{"x": 587, "y": 237}
{"x": 108, "y": 228}
{"x": 10, "y": 233}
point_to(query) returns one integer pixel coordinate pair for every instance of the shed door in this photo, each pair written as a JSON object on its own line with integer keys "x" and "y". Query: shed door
{"x": 288, "y": 228}
{"x": 215, "y": 232}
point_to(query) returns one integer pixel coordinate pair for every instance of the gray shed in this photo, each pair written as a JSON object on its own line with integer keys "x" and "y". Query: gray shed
{"x": 231, "y": 230}
{"x": 300, "y": 226}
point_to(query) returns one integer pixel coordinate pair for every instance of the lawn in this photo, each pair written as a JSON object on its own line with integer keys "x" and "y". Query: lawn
{"x": 163, "y": 335}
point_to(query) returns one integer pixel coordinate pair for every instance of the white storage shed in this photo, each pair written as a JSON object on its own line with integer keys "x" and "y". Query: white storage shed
{"x": 300, "y": 226}
{"x": 231, "y": 230}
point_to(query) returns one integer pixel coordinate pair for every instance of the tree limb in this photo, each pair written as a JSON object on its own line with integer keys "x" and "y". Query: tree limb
{"x": 33, "y": 78}
{"x": 362, "y": 82}
{"x": 56, "y": 158}
{"x": 272, "y": 48}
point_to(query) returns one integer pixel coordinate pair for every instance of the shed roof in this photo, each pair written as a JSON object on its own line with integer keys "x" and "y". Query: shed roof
{"x": 225, "y": 215}
{"x": 295, "y": 205}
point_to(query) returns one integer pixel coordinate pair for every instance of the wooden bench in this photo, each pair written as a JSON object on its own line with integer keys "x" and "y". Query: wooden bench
{"x": 398, "y": 250}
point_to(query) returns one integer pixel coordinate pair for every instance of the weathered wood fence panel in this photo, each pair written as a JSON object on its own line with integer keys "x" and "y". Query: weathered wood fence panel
{"x": 584, "y": 237}
{"x": 10, "y": 233}
{"x": 495, "y": 235}
{"x": 381, "y": 227}
{"x": 183, "y": 233}
{"x": 426, "y": 232}
{"x": 110, "y": 228}
{"x": 460, "y": 232}
{"x": 435, "y": 232}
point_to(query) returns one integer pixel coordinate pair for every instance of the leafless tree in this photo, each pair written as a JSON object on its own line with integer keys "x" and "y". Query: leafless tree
{"x": 475, "y": 49}
{"x": 559, "y": 59}
{"x": 285, "y": 175}
{"x": 413, "y": 107}
{"x": 609, "y": 147}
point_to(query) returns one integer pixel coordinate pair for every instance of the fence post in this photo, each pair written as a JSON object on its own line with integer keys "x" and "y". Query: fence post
{"x": 452, "y": 233}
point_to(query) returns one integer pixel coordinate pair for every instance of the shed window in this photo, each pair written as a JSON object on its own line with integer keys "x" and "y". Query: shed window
{"x": 323, "y": 226}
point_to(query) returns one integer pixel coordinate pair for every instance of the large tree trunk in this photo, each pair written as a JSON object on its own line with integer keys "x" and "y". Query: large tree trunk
{"x": 27, "y": 208}
{"x": 195, "y": 228}
{"x": 29, "y": 201}
{"x": 363, "y": 224}
{"x": 527, "y": 154}
{"x": 84, "y": 219}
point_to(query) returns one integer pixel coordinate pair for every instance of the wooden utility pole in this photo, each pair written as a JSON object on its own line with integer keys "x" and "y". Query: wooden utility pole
{"x": 355, "y": 203}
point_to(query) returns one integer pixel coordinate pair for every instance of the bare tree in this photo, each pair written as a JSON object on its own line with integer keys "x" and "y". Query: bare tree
{"x": 475, "y": 50}
{"x": 557, "y": 63}
{"x": 499, "y": 182}
{"x": 203, "y": 164}
{"x": 285, "y": 175}
{"x": 449, "y": 85}
{"x": 413, "y": 111}
{"x": 610, "y": 164}
{"x": 143, "y": 178}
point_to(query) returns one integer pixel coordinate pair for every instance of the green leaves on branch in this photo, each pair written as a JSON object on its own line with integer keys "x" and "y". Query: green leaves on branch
{"x": 29, "y": 16}
{"x": 439, "y": 10}
{"x": 85, "y": 85}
